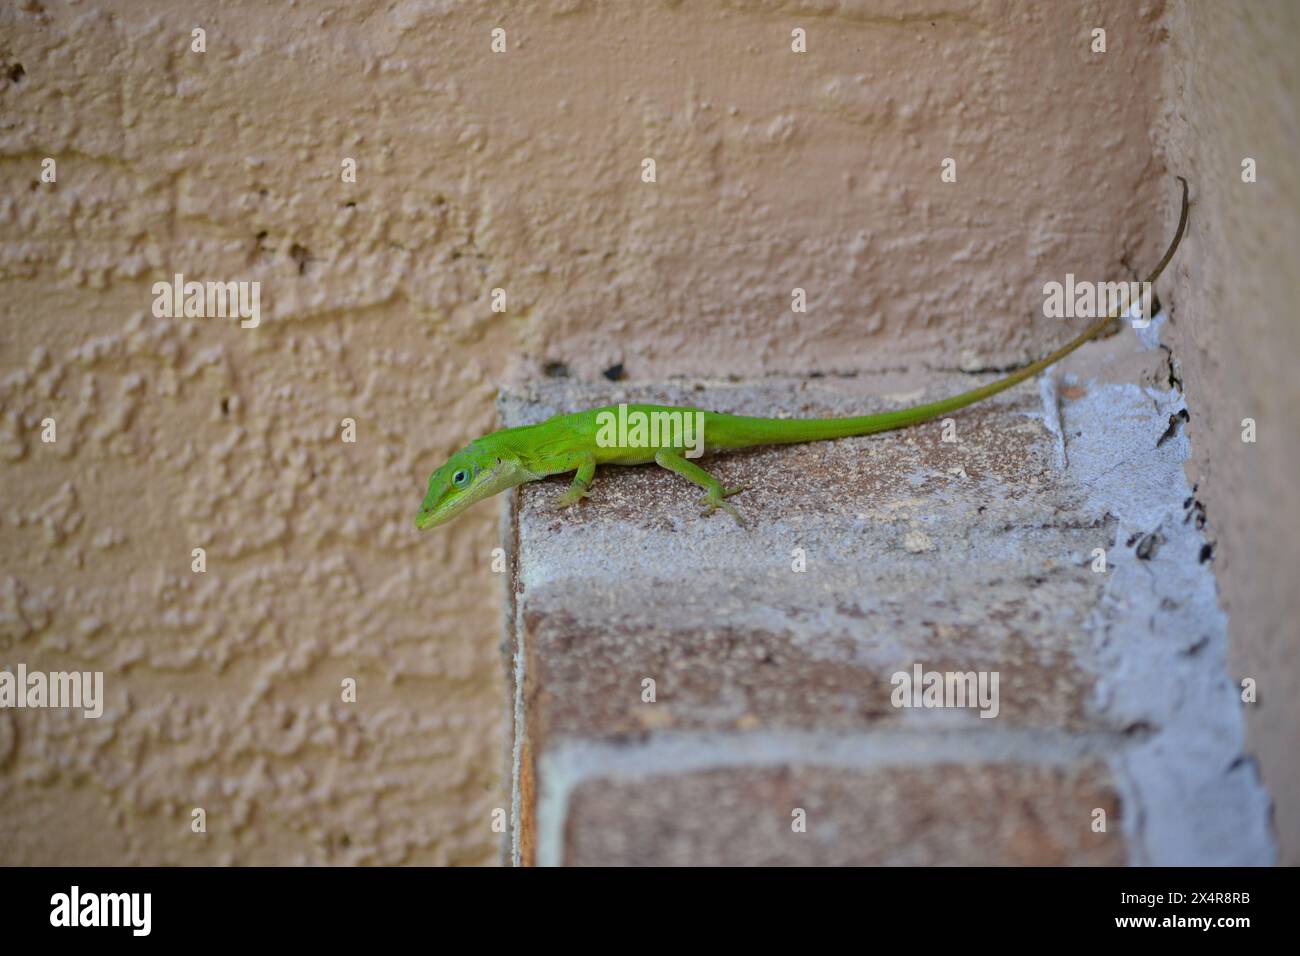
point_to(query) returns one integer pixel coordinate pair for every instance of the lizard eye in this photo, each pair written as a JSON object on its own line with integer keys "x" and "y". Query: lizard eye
{"x": 460, "y": 479}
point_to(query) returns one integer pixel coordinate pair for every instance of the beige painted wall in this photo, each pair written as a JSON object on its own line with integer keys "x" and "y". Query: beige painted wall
{"x": 1232, "y": 86}
{"x": 475, "y": 171}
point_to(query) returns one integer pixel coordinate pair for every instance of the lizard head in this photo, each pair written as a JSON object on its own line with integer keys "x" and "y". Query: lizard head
{"x": 470, "y": 475}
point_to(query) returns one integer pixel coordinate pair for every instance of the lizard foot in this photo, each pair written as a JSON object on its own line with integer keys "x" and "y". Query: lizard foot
{"x": 713, "y": 500}
{"x": 570, "y": 498}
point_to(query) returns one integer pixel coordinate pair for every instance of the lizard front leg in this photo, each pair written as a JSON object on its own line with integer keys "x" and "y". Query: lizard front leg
{"x": 714, "y": 493}
{"x": 580, "y": 487}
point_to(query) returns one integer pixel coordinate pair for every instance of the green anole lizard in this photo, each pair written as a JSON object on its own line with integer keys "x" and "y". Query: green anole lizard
{"x": 572, "y": 443}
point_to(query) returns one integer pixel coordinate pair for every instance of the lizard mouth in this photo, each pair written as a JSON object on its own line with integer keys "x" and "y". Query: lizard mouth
{"x": 442, "y": 512}
{"x": 430, "y": 516}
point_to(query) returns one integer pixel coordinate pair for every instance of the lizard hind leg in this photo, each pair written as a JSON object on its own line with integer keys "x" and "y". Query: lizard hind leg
{"x": 715, "y": 494}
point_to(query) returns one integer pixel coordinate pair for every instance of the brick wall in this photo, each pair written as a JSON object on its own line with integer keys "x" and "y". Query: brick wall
{"x": 771, "y": 733}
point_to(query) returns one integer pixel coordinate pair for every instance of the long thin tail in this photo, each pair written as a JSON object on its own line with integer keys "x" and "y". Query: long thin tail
{"x": 749, "y": 431}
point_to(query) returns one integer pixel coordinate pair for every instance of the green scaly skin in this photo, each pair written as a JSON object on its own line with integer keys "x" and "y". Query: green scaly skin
{"x": 567, "y": 443}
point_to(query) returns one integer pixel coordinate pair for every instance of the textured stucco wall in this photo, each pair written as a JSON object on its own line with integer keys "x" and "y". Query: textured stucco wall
{"x": 475, "y": 171}
{"x": 1231, "y": 87}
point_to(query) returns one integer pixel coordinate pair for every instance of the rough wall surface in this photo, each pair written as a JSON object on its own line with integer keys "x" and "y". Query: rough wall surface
{"x": 475, "y": 171}
{"x": 1232, "y": 89}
